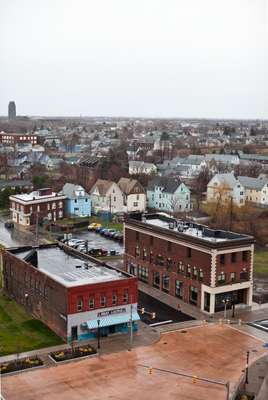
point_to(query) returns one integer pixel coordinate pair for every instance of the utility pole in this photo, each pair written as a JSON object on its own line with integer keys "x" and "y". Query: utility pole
{"x": 246, "y": 380}
{"x": 131, "y": 328}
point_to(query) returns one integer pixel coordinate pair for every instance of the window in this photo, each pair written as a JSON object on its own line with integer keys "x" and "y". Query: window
{"x": 125, "y": 296}
{"x": 38, "y": 208}
{"x": 195, "y": 273}
{"x": 114, "y": 198}
{"x": 103, "y": 301}
{"x": 151, "y": 257}
{"x": 178, "y": 289}
{"x": 233, "y": 276}
{"x": 114, "y": 299}
{"x": 221, "y": 278}
{"x": 233, "y": 257}
{"x": 193, "y": 295}
{"x": 151, "y": 240}
{"x": 91, "y": 303}
{"x": 144, "y": 254}
{"x": 180, "y": 268}
{"x": 143, "y": 274}
{"x": 53, "y": 206}
{"x": 201, "y": 275}
{"x": 137, "y": 251}
{"x": 245, "y": 255}
{"x": 222, "y": 259}
{"x": 188, "y": 273}
{"x": 169, "y": 263}
{"x": 156, "y": 279}
{"x": 135, "y": 204}
{"x": 189, "y": 252}
{"x": 48, "y": 206}
{"x": 79, "y": 305}
{"x": 244, "y": 275}
{"x": 169, "y": 246}
{"x": 138, "y": 197}
{"x": 159, "y": 260}
{"x": 165, "y": 283}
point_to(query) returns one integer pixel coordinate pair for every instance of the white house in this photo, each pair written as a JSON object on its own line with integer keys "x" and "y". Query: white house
{"x": 106, "y": 196}
{"x": 141, "y": 167}
{"x": 256, "y": 189}
{"x": 225, "y": 187}
{"x": 134, "y": 195}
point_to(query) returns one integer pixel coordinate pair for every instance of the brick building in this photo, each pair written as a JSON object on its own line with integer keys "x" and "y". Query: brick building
{"x": 29, "y": 208}
{"x": 10, "y": 139}
{"x": 200, "y": 266}
{"x": 72, "y": 295}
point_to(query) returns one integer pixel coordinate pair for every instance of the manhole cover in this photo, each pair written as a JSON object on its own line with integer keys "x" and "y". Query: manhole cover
{"x": 165, "y": 343}
{"x": 183, "y": 331}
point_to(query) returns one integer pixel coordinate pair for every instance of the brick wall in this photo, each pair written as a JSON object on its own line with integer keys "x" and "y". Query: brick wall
{"x": 40, "y": 295}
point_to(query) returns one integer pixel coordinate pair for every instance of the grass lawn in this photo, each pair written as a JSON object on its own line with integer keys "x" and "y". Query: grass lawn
{"x": 72, "y": 220}
{"x": 261, "y": 262}
{"x": 118, "y": 226}
{"x": 19, "y": 332}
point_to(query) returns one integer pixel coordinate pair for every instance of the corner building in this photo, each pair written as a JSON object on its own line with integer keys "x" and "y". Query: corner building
{"x": 200, "y": 266}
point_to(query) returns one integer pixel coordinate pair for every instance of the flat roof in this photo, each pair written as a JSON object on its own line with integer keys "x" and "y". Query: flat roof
{"x": 190, "y": 229}
{"x": 70, "y": 270}
{"x": 35, "y": 196}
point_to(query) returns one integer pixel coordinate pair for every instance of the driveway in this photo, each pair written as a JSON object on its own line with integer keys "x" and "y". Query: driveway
{"x": 211, "y": 351}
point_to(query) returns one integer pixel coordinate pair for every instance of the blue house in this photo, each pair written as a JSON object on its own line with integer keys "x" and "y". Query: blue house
{"x": 77, "y": 201}
{"x": 168, "y": 195}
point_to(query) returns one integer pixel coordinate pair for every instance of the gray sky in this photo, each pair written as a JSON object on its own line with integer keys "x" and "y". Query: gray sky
{"x": 155, "y": 58}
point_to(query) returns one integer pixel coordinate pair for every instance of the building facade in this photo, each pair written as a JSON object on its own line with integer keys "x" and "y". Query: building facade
{"x": 11, "y": 139}
{"x": 223, "y": 188}
{"x": 106, "y": 196}
{"x": 133, "y": 194}
{"x": 31, "y": 208}
{"x": 168, "y": 195}
{"x": 78, "y": 202}
{"x": 199, "y": 266}
{"x": 72, "y": 295}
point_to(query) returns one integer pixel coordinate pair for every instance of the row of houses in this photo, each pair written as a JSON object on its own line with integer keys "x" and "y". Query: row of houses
{"x": 241, "y": 189}
{"x": 125, "y": 196}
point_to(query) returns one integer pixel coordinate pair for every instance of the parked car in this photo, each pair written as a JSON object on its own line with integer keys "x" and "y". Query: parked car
{"x": 99, "y": 229}
{"x": 94, "y": 226}
{"x": 75, "y": 242}
{"x": 98, "y": 252}
{"x": 9, "y": 224}
{"x": 109, "y": 232}
{"x": 103, "y": 231}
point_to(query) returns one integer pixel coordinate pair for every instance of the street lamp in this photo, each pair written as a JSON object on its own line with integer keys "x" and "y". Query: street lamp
{"x": 98, "y": 321}
{"x": 247, "y": 364}
{"x": 225, "y": 302}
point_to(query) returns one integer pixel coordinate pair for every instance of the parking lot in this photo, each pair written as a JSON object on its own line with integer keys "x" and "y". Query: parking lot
{"x": 162, "y": 311}
{"x": 97, "y": 241}
{"x": 212, "y": 351}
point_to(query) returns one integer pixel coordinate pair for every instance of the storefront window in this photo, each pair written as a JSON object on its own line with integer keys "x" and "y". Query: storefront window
{"x": 178, "y": 289}
{"x": 193, "y": 295}
{"x": 156, "y": 281}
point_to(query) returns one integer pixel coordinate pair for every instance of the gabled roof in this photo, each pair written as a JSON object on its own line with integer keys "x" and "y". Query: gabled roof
{"x": 225, "y": 179}
{"x": 69, "y": 190}
{"x": 252, "y": 183}
{"x": 169, "y": 185}
{"x": 127, "y": 185}
{"x": 103, "y": 186}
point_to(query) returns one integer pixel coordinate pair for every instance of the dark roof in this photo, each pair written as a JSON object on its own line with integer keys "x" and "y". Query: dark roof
{"x": 169, "y": 185}
{"x": 15, "y": 183}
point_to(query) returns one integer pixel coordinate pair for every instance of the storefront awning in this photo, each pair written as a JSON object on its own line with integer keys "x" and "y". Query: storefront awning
{"x": 112, "y": 320}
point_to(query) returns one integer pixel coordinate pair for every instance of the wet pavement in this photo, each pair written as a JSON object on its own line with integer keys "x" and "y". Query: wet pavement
{"x": 212, "y": 351}
{"x": 11, "y": 237}
{"x": 162, "y": 311}
{"x": 97, "y": 241}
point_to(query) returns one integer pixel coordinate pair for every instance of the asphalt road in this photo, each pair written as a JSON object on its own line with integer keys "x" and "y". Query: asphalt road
{"x": 162, "y": 311}
{"x": 97, "y": 241}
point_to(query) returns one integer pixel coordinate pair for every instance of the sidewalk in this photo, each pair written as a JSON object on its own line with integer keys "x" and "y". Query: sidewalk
{"x": 145, "y": 336}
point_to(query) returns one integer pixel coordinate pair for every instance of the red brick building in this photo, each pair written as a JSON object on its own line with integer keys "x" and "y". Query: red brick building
{"x": 28, "y": 208}
{"x": 10, "y": 139}
{"x": 72, "y": 295}
{"x": 200, "y": 266}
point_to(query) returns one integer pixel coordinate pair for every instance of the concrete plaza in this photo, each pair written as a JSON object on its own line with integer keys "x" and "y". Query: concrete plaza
{"x": 211, "y": 351}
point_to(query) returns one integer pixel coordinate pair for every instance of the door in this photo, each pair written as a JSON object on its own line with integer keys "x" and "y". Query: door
{"x": 74, "y": 332}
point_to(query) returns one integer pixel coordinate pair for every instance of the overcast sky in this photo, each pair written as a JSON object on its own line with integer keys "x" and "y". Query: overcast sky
{"x": 155, "y": 58}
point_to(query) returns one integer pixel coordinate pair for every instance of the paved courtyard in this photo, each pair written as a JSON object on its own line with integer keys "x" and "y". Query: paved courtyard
{"x": 211, "y": 351}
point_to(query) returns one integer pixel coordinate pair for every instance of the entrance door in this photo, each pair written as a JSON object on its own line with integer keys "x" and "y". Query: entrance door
{"x": 112, "y": 329}
{"x": 74, "y": 332}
